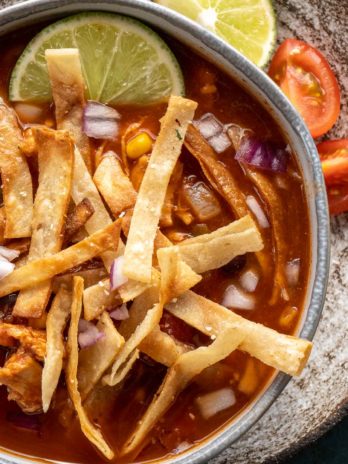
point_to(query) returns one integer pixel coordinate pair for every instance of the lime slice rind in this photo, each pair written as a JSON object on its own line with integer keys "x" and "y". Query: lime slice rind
{"x": 98, "y": 36}
{"x": 247, "y": 25}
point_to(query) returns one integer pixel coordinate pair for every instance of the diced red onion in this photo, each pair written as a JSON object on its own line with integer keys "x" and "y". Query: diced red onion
{"x": 263, "y": 155}
{"x": 215, "y": 402}
{"x": 249, "y": 280}
{"x": 24, "y": 421}
{"x": 120, "y": 314}
{"x": 292, "y": 271}
{"x": 237, "y": 133}
{"x": 209, "y": 126}
{"x": 5, "y": 267}
{"x": 100, "y": 121}
{"x": 9, "y": 253}
{"x": 256, "y": 209}
{"x": 220, "y": 142}
{"x": 235, "y": 298}
{"x": 89, "y": 334}
{"x": 117, "y": 278}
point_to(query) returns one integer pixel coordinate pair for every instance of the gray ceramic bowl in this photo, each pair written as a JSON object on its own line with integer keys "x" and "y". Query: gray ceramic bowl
{"x": 268, "y": 94}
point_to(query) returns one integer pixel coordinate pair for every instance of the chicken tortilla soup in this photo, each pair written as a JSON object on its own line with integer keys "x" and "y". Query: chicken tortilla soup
{"x": 155, "y": 245}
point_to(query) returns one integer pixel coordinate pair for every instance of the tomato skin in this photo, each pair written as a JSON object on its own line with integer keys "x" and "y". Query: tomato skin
{"x": 334, "y": 160}
{"x": 338, "y": 198}
{"x": 305, "y": 76}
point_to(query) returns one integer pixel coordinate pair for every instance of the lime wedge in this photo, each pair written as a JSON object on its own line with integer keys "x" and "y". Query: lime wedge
{"x": 247, "y": 25}
{"x": 123, "y": 61}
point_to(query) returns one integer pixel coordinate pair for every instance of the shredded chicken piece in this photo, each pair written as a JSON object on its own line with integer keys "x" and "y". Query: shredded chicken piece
{"x": 32, "y": 340}
{"x": 22, "y": 376}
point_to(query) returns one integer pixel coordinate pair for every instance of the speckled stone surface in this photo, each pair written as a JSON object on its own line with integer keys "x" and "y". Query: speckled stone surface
{"x": 312, "y": 403}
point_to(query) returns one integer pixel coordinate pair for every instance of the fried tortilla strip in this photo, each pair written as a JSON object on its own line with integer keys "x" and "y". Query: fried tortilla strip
{"x": 217, "y": 174}
{"x": 284, "y": 352}
{"x": 31, "y": 340}
{"x": 99, "y": 297}
{"x": 91, "y": 432}
{"x": 176, "y": 276}
{"x": 150, "y": 321}
{"x": 186, "y": 367}
{"x": 158, "y": 345}
{"x": 68, "y": 90}
{"x": 126, "y": 367}
{"x": 96, "y": 359}
{"x": 114, "y": 185}
{"x": 45, "y": 268}
{"x": 148, "y": 207}
{"x": 78, "y": 218}
{"x": 2, "y": 225}
{"x": 17, "y": 186}
{"x": 84, "y": 187}
{"x": 56, "y": 160}
{"x": 90, "y": 277}
{"x": 55, "y": 325}
{"x": 214, "y": 250}
{"x": 275, "y": 213}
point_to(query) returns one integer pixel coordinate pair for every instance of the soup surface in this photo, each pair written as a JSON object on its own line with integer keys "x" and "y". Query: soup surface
{"x": 57, "y": 434}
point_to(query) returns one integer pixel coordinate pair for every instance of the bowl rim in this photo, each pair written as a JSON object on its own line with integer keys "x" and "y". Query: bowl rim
{"x": 268, "y": 94}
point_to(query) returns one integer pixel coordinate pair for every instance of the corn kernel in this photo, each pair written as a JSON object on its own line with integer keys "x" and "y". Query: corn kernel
{"x": 139, "y": 145}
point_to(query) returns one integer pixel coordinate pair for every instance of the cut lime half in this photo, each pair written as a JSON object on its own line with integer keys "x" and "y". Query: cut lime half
{"x": 248, "y": 25}
{"x": 123, "y": 61}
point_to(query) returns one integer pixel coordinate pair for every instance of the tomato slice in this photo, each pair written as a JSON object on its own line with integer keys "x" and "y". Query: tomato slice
{"x": 334, "y": 161}
{"x": 338, "y": 198}
{"x": 306, "y": 78}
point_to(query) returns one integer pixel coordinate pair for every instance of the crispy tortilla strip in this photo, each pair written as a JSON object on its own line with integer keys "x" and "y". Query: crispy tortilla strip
{"x": 77, "y": 218}
{"x": 148, "y": 207}
{"x": 31, "y": 340}
{"x": 90, "y": 277}
{"x": 217, "y": 174}
{"x": 178, "y": 376}
{"x": 126, "y": 367}
{"x": 96, "y": 359}
{"x": 284, "y": 352}
{"x": 17, "y": 186}
{"x": 212, "y": 251}
{"x": 162, "y": 348}
{"x": 158, "y": 345}
{"x": 276, "y": 214}
{"x": 68, "y": 91}
{"x": 56, "y": 159}
{"x": 149, "y": 322}
{"x": 114, "y": 185}
{"x": 99, "y": 297}
{"x": 176, "y": 276}
{"x": 83, "y": 187}
{"x": 2, "y": 225}
{"x": 55, "y": 325}
{"x": 92, "y": 433}
{"x": 45, "y": 268}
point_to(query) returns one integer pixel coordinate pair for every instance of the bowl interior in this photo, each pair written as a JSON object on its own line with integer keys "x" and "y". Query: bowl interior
{"x": 257, "y": 83}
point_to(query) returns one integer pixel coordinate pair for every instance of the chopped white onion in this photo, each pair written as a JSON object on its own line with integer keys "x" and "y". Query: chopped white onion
{"x": 5, "y": 268}
{"x": 214, "y": 402}
{"x": 220, "y": 142}
{"x": 249, "y": 280}
{"x": 120, "y": 314}
{"x": 117, "y": 278}
{"x": 292, "y": 271}
{"x": 256, "y": 209}
{"x": 237, "y": 299}
{"x": 184, "y": 445}
{"x": 89, "y": 334}
{"x": 100, "y": 121}
{"x": 209, "y": 126}
{"x": 9, "y": 253}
